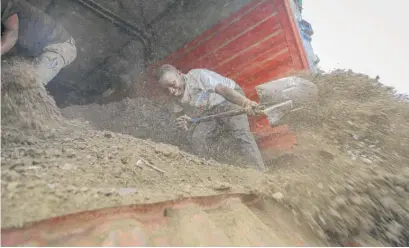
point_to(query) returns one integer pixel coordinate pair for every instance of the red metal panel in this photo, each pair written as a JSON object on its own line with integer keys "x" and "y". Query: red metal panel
{"x": 257, "y": 44}
{"x": 210, "y": 33}
{"x": 250, "y": 54}
{"x": 225, "y": 50}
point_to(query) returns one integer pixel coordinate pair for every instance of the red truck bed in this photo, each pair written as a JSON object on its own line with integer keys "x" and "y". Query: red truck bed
{"x": 255, "y": 45}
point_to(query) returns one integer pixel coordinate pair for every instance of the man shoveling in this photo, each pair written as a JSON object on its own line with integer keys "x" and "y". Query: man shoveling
{"x": 35, "y": 35}
{"x": 201, "y": 92}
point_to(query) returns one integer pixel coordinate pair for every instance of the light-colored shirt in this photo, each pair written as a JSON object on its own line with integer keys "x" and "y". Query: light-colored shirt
{"x": 200, "y": 90}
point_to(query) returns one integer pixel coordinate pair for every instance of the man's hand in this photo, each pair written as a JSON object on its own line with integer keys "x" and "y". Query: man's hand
{"x": 250, "y": 106}
{"x": 182, "y": 122}
{"x": 10, "y": 34}
{"x": 235, "y": 97}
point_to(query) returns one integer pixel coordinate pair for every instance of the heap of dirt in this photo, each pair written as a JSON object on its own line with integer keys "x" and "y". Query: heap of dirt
{"x": 348, "y": 175}
{"x": 18, "y": 95}
{"x": 56, "y": 166}
{"x": 140, "y": 117}
{"x": 145, "y": 118}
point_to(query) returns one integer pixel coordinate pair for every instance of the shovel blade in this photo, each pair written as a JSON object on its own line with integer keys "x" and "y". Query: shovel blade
{"x": 284, "y": 96}
{"x": 299, "y": 90}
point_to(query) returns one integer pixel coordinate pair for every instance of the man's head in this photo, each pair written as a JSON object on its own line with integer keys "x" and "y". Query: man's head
{"x": 170, "y": 78}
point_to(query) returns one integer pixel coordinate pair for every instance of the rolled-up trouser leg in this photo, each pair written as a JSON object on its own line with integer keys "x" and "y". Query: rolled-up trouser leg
{"x": 54, "y": 58}
{"x": 240, "y": 129}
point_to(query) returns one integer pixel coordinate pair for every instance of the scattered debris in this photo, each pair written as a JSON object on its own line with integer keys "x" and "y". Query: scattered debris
{"x": 222, "y": 186}
{"x": 278, "y": 196}
{"x": 144, "y": 162}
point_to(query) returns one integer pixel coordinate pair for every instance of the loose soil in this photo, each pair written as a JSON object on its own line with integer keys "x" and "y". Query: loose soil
{"x": 347, "y": 178}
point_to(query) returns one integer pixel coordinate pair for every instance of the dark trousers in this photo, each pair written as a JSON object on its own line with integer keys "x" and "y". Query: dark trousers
{"x": 205, "y": 135}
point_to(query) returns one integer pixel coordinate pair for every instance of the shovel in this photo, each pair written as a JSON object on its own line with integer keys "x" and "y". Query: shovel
{"x": 277, "y": 98}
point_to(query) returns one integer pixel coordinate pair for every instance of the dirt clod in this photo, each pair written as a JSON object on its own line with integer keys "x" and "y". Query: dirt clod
{"x": 278, "y": 196}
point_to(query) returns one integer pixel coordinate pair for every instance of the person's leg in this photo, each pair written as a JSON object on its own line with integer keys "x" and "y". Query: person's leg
{"x": 201, "y": 138}
{"x": 240, "y": 129}
{"x": 54, "y": 58}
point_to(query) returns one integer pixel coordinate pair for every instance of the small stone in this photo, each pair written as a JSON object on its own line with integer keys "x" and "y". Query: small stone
{"x": 67, "y": 166}
{"x": 222, "y": 186}
{"x": 124, "y": 160}
{"x": 36, "y": 162}
{"x": 107, "y": 135}
{"x": 33, "y": 167}
{"x": 51, "y": 185}
{"x": 107, "y": 192}
{"x": 320, "y": 186}
{"x": 30, "y": 141}
{"x": 351, "y": 123}
{"x": 278, "y": 196}
{"x": 167, "y": 151}
{"x": 126, "y": 191}
{"x": 366, "y": 160}
{"x": 140, "y": 163}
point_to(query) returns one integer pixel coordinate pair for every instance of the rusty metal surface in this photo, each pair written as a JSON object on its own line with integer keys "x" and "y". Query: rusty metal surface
{"x": 135, "y": 225}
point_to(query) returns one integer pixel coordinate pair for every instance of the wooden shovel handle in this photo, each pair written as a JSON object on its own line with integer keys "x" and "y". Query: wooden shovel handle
{"x": 217, "y": 116}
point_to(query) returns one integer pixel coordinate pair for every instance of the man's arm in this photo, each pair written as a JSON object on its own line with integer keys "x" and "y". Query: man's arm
{"x": 230, "y": 94}
{"x": 235, "y": 97}
{"x": 211, "y": 83}
{"x": 10, "y": 35}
